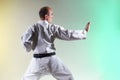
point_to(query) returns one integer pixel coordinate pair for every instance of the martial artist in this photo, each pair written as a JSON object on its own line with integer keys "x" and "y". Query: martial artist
{"x": 40, "y": 38}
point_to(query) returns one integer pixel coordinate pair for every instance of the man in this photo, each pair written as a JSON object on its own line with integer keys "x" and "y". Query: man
{"x": 40, "y": 38}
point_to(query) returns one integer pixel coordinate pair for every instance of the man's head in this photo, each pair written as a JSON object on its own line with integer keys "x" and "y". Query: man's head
{"x": 46, "y": 13}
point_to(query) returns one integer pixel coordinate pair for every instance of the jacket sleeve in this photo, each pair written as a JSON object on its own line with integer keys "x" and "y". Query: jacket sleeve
{"x": 66, "y": 34}
{"x": 27, "y": 39}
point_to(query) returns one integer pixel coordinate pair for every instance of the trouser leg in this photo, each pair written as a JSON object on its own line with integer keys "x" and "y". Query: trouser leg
{"x": 35, "y": 70}
{"x": 59, "y": 70}
{"x": 31, "y": 76}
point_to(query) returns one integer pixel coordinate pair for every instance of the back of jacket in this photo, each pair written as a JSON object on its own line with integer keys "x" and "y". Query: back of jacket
{"x": 40, "y": 36}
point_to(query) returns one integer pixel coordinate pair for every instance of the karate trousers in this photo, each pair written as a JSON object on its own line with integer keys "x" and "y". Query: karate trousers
{"x": 43, "y": 66}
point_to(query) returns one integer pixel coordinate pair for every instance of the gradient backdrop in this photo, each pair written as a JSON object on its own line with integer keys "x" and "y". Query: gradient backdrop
{"x": 97, "y": 58}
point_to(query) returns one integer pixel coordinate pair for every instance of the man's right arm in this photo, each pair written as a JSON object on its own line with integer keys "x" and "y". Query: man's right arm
{"x": 65, "y": 34}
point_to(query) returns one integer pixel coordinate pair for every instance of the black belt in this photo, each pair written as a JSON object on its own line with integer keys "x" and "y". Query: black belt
{"x": 43, "y": 55}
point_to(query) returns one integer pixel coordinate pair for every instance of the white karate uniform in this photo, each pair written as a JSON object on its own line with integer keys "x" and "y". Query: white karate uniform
{"x": 40, "y": 38}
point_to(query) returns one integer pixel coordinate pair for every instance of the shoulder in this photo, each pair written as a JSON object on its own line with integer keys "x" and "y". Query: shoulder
{"x": 32, "y": 27}
{"x": 56, "y": 26}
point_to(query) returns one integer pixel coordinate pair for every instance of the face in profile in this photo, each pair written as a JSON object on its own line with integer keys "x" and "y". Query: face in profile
{"x": 49, "y": 16}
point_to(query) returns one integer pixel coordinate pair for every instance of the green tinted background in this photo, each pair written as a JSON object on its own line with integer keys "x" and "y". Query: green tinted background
{"x": 96, "y": 58}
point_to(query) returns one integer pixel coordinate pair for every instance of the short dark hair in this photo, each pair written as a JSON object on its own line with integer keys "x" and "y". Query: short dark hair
{"x": 44, "y": 11}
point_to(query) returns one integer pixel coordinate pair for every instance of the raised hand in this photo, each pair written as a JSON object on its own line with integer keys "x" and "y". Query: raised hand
{"x": 87, "y": 27}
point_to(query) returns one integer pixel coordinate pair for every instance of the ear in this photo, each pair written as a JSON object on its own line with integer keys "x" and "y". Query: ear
{"x": 46, "y": 16}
